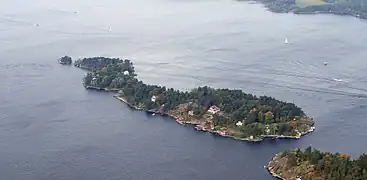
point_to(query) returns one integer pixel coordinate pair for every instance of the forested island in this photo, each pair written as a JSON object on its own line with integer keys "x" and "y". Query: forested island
{"x": 311, "y": 164}
{"x": 226, "y": 112}
{"x": 357, "y": 8}
{"x": 66, "y": 60}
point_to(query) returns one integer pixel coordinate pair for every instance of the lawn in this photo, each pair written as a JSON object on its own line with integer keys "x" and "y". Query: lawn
{"x": 305, "y": 3}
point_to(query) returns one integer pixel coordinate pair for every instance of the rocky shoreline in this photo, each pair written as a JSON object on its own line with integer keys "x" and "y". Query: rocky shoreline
{"x": 279, "y": 168}
{"x": 200, "y": 127}
{"x": 270, "y": 168}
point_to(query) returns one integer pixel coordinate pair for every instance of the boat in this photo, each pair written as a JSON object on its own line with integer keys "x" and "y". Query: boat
{"x": 153, "y": 114}
{"x": 325, "y": 63}
{"x": 286, "y": 41}
{"x": 110, "y": 29}
{"x": 338, "y": 80}
{"x": 198, "y": 128}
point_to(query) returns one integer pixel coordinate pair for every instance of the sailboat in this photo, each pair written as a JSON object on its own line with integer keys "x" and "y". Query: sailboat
{"x": 110, "y": 29}
{"x": 286, "y": 41}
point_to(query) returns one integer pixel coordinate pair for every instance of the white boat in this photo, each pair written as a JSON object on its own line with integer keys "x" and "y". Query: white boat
{"x": 325, "y": 63}
{"x": 153, "y": 114}
{"x": 338, "y": 80}
{"x": 286, "y": 41}
{"x": 110, "y": 29}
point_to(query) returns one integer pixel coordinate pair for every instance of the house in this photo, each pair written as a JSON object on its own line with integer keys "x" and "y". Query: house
{"x": 239, "y": 123}
{"x": 191, "y": 112}
{"x": 93, "y": 82}
{"x": 153, "y": 98}
{"x": 213, "y": 109}
{"x": 267, "y": 130}
{"x": 126, "y": 73}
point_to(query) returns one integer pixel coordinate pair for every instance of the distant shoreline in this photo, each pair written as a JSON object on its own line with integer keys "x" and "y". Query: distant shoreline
{"x": 278, "y": 6}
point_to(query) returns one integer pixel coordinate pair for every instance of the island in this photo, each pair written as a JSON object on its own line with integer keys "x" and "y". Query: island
{"x": 65, "y": 60}
{"x": 225, "y": 112}
{"x": 356, "y": 8}
{"x": 311, "y": 164}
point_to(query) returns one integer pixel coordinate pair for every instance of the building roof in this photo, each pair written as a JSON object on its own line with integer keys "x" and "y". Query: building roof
{"x": 214, "y": 107}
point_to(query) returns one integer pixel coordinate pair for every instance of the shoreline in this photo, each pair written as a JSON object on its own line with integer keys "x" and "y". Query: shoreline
{"x": 198, "y": 126}
{"x": 299, "y": 11}
{"x": 270, "y": 170}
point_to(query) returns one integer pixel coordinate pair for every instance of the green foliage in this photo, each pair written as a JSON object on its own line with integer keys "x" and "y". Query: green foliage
{"x": 330, "y": 166}
{"x": 66, "y": 60}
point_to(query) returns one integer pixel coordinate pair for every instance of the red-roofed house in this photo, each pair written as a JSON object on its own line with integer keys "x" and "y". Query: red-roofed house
{"x": 191, "y": 112}
{"x": 213, "y": 109}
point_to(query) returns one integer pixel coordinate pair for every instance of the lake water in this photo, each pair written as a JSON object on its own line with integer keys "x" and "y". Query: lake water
{"x": 52, "y": 128}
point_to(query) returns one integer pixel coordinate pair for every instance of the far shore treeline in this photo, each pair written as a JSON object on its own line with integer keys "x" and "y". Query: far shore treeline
{"x": 357, "y": 8}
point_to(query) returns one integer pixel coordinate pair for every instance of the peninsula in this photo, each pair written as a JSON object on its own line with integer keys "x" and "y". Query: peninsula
{"x": 226, "y": 112}
{"x": 311, "y": 164}
{"x": 356, "y": 8}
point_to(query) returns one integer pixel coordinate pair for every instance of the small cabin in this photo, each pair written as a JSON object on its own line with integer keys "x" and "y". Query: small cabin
{"x": 153, "y": 99}
{"x": 191, "y": 112}
{"x": 239, "y": 123}
{"x": 214, "y": 109}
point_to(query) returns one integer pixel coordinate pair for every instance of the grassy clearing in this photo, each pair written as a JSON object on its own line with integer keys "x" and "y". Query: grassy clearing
{"x": 305, "y": 3}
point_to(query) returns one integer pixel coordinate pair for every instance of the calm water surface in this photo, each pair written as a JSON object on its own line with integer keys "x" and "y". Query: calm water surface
{"x": 52, "y": 128}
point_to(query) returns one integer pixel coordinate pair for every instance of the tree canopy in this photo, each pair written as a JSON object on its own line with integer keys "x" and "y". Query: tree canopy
{"x": 65, "y": 60}
{"x": 325, "y": 165}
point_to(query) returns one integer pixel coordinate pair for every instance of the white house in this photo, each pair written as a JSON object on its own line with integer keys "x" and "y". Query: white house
{"x": 267, "y": 130}
{"x": 93, "y": 81}
{"x": 153, "y": 98}
{"x": 126, "y": 73}
{"x": 239, "y": 123}
{"x": 213, "y": 109}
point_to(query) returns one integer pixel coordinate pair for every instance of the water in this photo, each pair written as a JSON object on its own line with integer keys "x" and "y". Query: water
{"x": 52, "y": 128}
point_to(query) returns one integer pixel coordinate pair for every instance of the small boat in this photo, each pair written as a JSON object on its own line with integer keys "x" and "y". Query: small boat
{"x": 338, "y": 80}
{"x": 286, "y": 41}
{"x": 325, "y": 63}
{"x": 153, "y": 114}
{"x": 110, "y": 29}
{"x": 198, "y": 128}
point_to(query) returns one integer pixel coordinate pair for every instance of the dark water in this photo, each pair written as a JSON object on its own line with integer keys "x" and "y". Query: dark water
{"x": 52, "y": 128}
